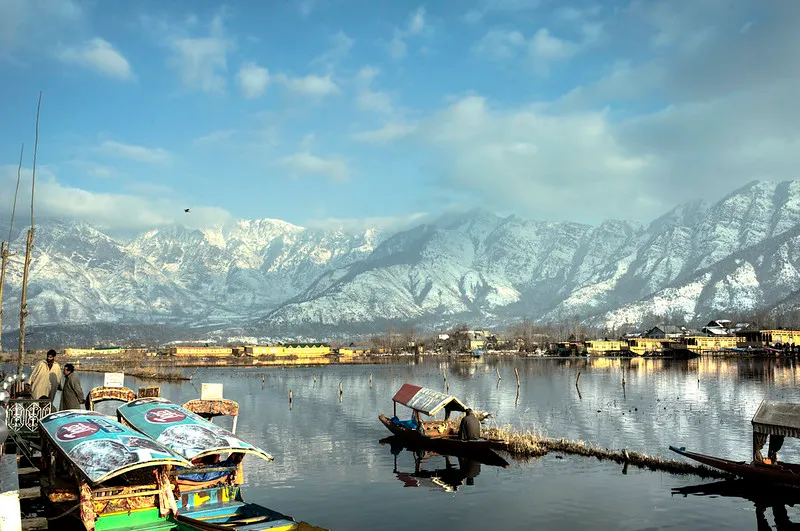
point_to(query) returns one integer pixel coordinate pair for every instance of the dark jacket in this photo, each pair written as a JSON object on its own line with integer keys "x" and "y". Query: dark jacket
{"x": 71, "y": 393}
{"x": 470, "y": 428}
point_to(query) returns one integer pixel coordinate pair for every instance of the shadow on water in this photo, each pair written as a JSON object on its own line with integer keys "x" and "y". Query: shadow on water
{"x": 428, "y": 472}
{"x": 762, "y": 498}
{"x": 486, "y": 457}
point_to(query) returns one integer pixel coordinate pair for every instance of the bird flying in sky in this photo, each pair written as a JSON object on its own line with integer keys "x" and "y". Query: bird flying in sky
{"x": 186, "y": 210}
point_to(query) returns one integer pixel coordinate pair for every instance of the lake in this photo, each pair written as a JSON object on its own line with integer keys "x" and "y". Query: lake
{"x": 330, "y": 469}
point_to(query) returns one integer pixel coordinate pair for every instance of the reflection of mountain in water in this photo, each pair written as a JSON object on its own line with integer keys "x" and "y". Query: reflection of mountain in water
{"x": 762, "y": 497}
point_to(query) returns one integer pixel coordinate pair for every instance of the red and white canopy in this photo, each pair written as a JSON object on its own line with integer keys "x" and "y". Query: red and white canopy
{"x": 427, "y": 400}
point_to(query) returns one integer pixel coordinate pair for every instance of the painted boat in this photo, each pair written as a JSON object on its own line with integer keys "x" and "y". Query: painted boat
{"x": 105, "y": 394}
{"x": 439, "y": 435}
{"x": 209, "y": 493}
{"x": 119, "y": 477}
{"x": 773, "y": 421}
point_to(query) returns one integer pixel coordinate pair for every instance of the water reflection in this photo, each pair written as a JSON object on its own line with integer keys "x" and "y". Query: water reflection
{"x": 426, "y": 474}
{"x": 329, "y": 469}
{"x": 762, "y": 498}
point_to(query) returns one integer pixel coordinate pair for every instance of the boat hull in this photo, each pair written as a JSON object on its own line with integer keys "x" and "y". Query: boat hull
{"x": 445, "y": 444}
{"x": 784, "y": 475}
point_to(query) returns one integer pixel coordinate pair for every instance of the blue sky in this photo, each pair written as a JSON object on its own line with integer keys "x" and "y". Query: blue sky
{"x": 345, "y": 113}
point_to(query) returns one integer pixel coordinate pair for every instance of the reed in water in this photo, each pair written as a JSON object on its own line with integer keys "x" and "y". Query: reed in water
{"x": 140, "y": 372}
{"x": 526, "y": 445}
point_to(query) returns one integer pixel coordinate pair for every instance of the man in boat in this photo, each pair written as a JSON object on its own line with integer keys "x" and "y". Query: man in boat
{"x": 44, "y": 378}
{"x": 71, "y": 391}
{"x": 470, "y": 427}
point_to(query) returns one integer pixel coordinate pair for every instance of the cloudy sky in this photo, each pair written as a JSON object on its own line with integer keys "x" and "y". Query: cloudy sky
{"x": 328, "y": 111}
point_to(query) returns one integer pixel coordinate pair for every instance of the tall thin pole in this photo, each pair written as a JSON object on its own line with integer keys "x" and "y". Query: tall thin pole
{"x": 23, "y": 312}
{"x": 5, "y": 246}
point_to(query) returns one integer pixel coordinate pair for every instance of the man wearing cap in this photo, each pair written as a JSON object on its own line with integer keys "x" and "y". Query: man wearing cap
{"x": 45, "y": 378}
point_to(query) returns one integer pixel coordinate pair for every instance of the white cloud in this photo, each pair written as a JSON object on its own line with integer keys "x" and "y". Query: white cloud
{"x": 253, "y": 80}
{"x": 397, "y": 48}
{"x": 135, "y": 153}
{"x": 545, "y": 49}
{"x": 305, "y": 163}
{"x": 99, "y": 55}
{"x": 305, "y": 7}
{"x": 388, "y": 133}
{"x": 487, "y": 7}
{"x": 214, "y": 137}
{"x": 95, "y": 170}
{"x": 341, "y": 46}
{"x": 310, "y": 85}
{"x": 417, "y": 22}
{"x": 500, "y": 44}
{"x": 542, "y": 49}
{"x": 730, "y": 117}
{"x": 201, "y": 62}
{"x": 34, "y": 25}
{"x": 368, "y": 99}
{"x": 416, "y": 25}
{"x": 112, "y": 211}
{"x": 359, "y": 225}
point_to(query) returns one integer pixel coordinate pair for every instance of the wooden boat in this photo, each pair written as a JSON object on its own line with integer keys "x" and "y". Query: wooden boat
{"x": 209, "y": 493}
{"x": 119, "y": 477}
{"x": 773, "y": 420}
{"x": 104, "y": 394}
{"x": 438, "y": 435}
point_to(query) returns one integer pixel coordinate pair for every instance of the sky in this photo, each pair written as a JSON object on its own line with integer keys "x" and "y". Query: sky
{"x": 346, "y": 113}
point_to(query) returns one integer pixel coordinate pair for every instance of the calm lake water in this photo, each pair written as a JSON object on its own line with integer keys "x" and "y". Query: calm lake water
{"x": 331, "y": 470}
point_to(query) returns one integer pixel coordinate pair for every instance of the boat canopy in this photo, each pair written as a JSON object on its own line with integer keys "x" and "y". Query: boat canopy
{"x": 777, "y": 418}
{"x": 182, "y": 431}
{"x": 427, "y": 400}
{"x": 102, "y": 448}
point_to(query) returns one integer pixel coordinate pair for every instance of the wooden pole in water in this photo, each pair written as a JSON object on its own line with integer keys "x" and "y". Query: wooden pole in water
{"x": 290, "y": 398}
{"x": 498, "y": 373}
{"x": 4, "y": 248}
{"x": 23, "y": 310}
{"x": 516, "y": 373}
{"x": 370, "y": 380}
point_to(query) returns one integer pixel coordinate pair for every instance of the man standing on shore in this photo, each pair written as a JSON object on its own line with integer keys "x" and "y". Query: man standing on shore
{"x": 71, "y": 391}
{"x": 45, "y": 377}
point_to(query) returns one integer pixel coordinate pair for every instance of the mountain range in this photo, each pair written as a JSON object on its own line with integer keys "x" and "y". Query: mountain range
{"x": 269, "y": 278}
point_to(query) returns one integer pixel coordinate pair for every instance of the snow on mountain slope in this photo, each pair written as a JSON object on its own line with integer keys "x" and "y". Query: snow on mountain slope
{"x": 738, "y": 254}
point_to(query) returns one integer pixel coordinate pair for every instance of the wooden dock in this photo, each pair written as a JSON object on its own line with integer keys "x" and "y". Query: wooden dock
{"x": 12, "y": 496}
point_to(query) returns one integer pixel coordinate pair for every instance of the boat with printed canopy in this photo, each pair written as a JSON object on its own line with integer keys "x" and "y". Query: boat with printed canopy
{"x": 208, "y": 493}
{"x": 772, "y": 422}
{"x": 437, "y": 434}
{"x": 119, "y": 478}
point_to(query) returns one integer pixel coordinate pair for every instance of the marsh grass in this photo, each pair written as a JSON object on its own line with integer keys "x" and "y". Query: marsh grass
{"x": 528, "y": 444}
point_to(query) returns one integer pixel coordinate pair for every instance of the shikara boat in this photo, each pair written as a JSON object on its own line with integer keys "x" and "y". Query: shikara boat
{"x": 119, "y": 477}
{"x": 438, "y": 435}
{"x": 209, "y": 493}
{"x": 773, "y": 420}
{"x": 104, "y": 394}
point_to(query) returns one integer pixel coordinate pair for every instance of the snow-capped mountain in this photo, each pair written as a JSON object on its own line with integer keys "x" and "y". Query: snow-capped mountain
{"x": 739, "y": 254}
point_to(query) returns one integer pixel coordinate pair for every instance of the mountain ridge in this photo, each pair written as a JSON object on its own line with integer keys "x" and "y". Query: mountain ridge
{"x": 741, "y": 253}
